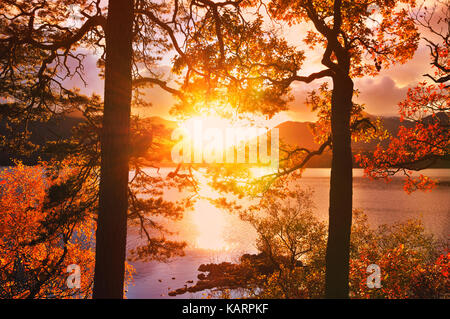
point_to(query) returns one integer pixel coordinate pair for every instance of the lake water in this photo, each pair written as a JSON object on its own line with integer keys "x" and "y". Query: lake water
{"x": 214, "y": 235}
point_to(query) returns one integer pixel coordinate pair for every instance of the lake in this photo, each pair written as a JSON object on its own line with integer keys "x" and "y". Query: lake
{"x": 214, "y": 235}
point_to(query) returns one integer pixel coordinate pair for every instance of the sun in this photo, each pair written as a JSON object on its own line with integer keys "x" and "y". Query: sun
{"x": 199, "y": 131}
{"x": 204, "y": 122}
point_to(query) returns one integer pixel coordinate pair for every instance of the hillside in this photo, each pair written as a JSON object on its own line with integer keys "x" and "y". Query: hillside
{"x": 291, "y": 132}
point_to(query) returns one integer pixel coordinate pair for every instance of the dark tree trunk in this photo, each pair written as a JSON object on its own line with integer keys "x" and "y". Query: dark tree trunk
{"x": 113, "y": 203}
{"x": 340, "y": 211}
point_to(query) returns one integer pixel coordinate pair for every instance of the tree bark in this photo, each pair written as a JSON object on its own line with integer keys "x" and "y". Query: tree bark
{"x": 113, "y": 202}
{"x": 340, "y": 211}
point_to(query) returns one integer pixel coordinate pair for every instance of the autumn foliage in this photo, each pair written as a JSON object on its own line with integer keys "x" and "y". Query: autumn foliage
{"x": 39, "y": 240}
{"x": 291, "y": 245}
{"x": 426, "y": 141}
{"x": 413, "y": 263}
{"x": 416, "y": 147}
{"x": 224, "y": 63}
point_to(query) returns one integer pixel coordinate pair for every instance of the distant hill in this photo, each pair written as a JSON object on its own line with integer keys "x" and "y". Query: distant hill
{"x": 40, "y": 134}
{"x": 156, "y": 120}
{"x": 299, "y": 134}
{"x": 291, "y": 132}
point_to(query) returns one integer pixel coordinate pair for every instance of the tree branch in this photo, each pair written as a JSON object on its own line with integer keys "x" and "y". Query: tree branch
{"x": 160, "y": 83}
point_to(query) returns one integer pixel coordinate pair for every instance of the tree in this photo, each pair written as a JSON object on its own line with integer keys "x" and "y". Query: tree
{"x": 348, "y": 31}
{"x": 427, "y": 141}
{"x": 222, "y": 58}
{"x": 42, "y": 27}
{"x": 413, "y": 263}
{"x": 42, "y": 46}
{"x": 359, "y": 38}
{"x": 115, "y": 140}
{"x": 41, "y": 234}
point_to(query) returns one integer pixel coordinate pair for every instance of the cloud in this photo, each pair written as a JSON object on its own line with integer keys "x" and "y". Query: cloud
{"x": 380, "y": 95}
{"x": 413, "y": 70}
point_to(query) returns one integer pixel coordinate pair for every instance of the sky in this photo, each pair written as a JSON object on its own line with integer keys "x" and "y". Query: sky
{"x": 379, "y": 94}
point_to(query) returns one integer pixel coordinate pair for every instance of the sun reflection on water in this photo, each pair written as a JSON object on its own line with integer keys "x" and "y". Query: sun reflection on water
{"x": 210, "y": 223}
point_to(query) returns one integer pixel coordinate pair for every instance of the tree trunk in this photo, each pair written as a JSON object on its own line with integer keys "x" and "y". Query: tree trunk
{"x": 113, "y": 203}
{"x": 340, "y": 211}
